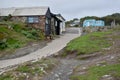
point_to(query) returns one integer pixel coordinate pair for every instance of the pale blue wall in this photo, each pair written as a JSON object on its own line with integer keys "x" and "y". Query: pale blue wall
{"x": 93, "y": 22}
{"x": 100, "y": 23}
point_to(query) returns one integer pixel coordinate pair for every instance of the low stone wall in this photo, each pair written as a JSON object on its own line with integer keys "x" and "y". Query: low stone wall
{"x": 94, "y": 29}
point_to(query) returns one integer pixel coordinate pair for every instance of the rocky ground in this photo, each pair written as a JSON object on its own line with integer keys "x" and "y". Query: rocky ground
{"x": 73, "y": 65}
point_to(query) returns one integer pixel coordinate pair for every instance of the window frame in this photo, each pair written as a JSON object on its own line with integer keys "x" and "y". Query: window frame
{"x": 32, "y": 19}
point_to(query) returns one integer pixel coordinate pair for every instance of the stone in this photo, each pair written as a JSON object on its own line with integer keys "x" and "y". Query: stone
{"x": 56, "y": 75}
{"x": 82, "y": 73}
{"x": 69, "y": 73}
{"x": 112, "y": 57}
{"x": 58, "y": 78}
{"x": 84, "y": 68}
{"x": 107, "y": 49}
{"x": 59, "y": 73}
{"x": 107, "y": 77}
{"x": 1, "y": 72}
{"x": 25, "y": 74}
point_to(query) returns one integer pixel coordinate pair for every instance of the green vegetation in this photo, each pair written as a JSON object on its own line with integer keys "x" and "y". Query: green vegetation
{"x": 16, "y": 34}
{"x": 29, "y": 70}
{"x": 108, "y": 19}
{"x": 89, "y": 43}
{"x": 96, "y": 72}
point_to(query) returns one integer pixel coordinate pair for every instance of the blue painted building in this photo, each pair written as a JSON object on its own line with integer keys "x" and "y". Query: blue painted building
{"x": 93, "y": 22}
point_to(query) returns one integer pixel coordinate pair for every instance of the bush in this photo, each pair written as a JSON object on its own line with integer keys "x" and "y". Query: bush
{"x": 28, "y": 34}
{"x": 6, "y": 77}
{"x": 7, "y": 18}
{"x": 3, "y": 44}
{"x": 13, "y": 43}
{"x": 33, "y": 34}
{"x": 14, "y": 34}
{"x": 2, "y": 36}
{"x": 18, "y": 26}
{"x": 42, "y": 36}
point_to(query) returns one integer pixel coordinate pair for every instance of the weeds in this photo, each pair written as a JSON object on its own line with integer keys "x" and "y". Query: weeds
{"x": 96, "y": 72}
{"x": 30, "y": 69}
{"x": 89, "y": 43}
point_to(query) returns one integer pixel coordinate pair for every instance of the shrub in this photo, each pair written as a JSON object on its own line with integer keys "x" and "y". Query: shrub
{"x": 6, "y": 77}
{"x": 27, "y": 34}
{"x": 18, "y": 26}
{"x": 13, "y": 43}
{"x": 41, "y": 35}
{"x": 2, "y": 36}
{"x": 3, "y": 44}
{"x": 7, "y": 18}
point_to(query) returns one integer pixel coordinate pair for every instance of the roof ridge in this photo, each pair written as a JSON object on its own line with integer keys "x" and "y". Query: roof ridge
{"x": 26, "y": 7}
{"x": 24, "y": 11}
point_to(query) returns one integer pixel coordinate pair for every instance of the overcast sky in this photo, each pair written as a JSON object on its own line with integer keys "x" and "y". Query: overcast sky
{"x": 70, "y": 8}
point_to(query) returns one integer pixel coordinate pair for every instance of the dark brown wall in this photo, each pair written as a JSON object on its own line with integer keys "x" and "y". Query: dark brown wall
{"x": 39, "y": 25}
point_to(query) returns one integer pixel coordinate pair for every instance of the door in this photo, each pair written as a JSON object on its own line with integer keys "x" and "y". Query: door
{"x": 47, "y": 27}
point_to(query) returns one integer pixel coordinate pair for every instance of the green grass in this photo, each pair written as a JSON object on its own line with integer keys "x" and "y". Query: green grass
{"x": 14, "y": 35}
{"x": 96, "y": 72}
{"x": 30, "y": 69}
{"x": 89, "y": 43}
{"x": 24, "y": 69}
{"x": 6, "y": 77}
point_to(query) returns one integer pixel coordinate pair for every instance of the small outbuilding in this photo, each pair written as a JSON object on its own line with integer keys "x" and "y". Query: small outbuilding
{"x": 37, "y": 17}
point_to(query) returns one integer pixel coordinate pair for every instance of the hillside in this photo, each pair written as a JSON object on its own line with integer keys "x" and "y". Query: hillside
{"x": 15, "y": 35}
{"x": 108, "y": 19}
{"x": 94, "y": 56}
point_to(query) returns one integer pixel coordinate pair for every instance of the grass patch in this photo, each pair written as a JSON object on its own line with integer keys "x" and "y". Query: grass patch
{"x": 89, "y": 43}
{"x": 24, "y": 69}
{"x": 14, "y": 35}
{"x": 31, "y": 69}
{"x": 6, "y": 77}
{"x": 96, "y": 72}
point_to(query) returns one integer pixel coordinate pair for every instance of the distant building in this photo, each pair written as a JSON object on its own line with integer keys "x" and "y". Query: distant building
{"x": 93, "y": 22}
{"x": 75, "y": 22}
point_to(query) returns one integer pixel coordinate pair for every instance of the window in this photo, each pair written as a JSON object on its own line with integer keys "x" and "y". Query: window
{"x": 33, "y": 20}
{"x": 47, "y": 22}
{"x": 56, "y": 23}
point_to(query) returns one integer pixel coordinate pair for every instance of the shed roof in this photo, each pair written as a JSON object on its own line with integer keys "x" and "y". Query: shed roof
{"x": 60, "y": 17}
{"x": 27, "y": 11}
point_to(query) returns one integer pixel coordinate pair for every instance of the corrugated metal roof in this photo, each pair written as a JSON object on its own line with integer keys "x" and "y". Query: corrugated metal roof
{"x": 27, "y": 11}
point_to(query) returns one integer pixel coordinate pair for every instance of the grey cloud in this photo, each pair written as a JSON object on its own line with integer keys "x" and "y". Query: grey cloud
{"x": 70, "y": 8}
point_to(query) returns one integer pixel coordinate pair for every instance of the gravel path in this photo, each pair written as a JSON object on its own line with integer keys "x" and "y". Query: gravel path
{"x": 64, "y": 70}
{"x": 51, "y": 48}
